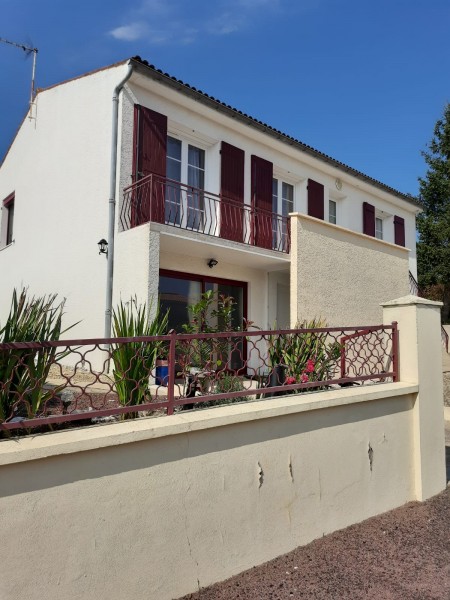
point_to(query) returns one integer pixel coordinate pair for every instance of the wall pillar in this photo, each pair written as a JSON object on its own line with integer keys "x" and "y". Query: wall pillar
{"x": 154, "y": 251}
{"x": 294, "y": 275}
{"x": 419, "y": 323}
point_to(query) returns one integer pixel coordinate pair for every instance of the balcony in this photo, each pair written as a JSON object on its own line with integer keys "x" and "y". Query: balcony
{"x": 161, "y": 200}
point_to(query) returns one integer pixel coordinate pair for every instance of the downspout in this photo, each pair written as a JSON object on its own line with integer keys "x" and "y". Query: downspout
{"x": 112, "y": 201}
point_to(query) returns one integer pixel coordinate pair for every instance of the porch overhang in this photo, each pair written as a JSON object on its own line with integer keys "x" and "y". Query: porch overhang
{"x": 184, "y": 242}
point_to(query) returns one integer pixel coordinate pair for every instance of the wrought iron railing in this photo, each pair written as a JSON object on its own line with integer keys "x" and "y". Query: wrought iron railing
{"x": 416, "y": 290}
{"x": 164, "y": 200}
{"x": 93, "y": 380}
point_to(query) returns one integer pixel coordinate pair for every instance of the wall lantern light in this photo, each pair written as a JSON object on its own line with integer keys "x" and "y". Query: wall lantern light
{"x": 103, "y": 247}
{"x": 212, "y": 262}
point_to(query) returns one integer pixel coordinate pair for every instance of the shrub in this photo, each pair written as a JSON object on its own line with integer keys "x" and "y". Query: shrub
{"x": 307, "y": 356}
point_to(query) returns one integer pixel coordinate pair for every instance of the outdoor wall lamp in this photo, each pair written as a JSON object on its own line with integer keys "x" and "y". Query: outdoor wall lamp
{"x": 103, "y": 247}
{"x": 212, "y": 262}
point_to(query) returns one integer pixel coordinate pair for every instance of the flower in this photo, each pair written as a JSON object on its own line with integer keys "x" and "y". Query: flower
{"x": 310, "y": 366}
{"x": 290, "y": 380}
{"x": 304, "y": 378}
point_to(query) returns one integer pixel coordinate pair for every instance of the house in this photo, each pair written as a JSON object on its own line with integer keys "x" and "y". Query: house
{"x": 191, "y": 195}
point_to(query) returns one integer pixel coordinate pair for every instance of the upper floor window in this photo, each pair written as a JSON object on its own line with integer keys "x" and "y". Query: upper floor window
{"x": 379, "y": 228}
{"x": 332, "y": 211}
{"x": 185, "y": 164}
{"x": 7, "y": 230}
{"x": 282, "y": 204}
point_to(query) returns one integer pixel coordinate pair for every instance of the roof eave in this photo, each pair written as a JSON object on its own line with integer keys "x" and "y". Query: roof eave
{"x": 177, "y": 84}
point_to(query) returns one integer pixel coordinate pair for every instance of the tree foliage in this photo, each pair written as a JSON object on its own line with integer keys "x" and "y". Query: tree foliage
{"x": 433, "y": 224}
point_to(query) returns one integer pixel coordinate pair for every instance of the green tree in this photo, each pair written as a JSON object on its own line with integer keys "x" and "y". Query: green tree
{"x": 433, "y": 224}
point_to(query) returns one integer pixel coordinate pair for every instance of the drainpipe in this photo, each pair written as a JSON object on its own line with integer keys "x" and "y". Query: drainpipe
{"x": 112, "y": 202}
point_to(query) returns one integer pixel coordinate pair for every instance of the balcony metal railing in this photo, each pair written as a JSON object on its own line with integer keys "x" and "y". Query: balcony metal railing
{"x": 162, "y": 200}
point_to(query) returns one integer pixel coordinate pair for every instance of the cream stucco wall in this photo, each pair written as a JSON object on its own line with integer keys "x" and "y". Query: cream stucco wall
{"x": 156, "y": 508}
{"x": 341, "y": 275}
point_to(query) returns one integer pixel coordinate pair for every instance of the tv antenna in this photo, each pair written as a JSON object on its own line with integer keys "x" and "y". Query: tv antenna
{"x": 28, "y": 50}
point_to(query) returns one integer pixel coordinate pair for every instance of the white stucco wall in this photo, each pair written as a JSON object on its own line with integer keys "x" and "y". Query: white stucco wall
{"x": 203, "y": 126}
{"x": 341, "y": 275}
{"x": 59, "y": 167}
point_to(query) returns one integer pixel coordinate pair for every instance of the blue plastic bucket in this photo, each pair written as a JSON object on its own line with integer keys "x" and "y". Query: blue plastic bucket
{"x": 162, "y": 372}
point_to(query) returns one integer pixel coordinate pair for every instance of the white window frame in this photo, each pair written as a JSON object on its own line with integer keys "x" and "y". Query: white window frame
{"x": 379, "y": 227}
{"x": 186, "y": 141}
{"x": 335, "y": 202}
{"x": 279, "y": 236}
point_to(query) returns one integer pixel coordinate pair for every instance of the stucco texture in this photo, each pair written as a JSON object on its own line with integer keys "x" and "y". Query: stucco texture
{"x": 157, "y": 508}
{"x": 157, "y": 518}
{"x": 341, "y": 275}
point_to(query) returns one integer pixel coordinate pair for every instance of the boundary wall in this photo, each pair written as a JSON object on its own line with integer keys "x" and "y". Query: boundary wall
{"x": 157, "y": 508}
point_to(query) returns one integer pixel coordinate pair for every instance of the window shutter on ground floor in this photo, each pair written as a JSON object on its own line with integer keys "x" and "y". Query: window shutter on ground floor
{"x": 315, "y": 199}
{"x": 232, "y": 193}
{"x": 149, "y": 157}
{"x": 261, "y": 186}
{"x": 399, "y": 230}
{"x": 368, "y": 219}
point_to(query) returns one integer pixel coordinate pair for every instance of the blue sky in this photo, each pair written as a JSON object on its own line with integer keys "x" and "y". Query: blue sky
{"x": 362, "y": 81}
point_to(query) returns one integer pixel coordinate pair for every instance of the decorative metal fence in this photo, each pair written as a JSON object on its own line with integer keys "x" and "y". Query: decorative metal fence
{"x": 50, "y": 384}
{"x": 170, "y": 202}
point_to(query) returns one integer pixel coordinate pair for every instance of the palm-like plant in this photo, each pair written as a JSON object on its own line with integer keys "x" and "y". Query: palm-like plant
{"x": 24, "y": 372}
{"x": 134, "y": 361}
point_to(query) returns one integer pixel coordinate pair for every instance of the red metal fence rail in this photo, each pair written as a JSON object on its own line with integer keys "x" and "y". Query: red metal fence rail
{"x": 90, "y": 380}
{"x": 162, "y": 200}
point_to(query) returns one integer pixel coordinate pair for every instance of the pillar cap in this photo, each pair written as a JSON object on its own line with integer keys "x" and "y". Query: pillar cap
{"x": 410, "y": 301}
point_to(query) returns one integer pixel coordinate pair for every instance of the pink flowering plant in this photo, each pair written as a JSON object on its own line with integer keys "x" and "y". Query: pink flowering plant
{"x": 307, "y": 356}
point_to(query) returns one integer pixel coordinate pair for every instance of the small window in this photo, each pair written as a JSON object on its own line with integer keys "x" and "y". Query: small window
{"x": 379, "y": 228}
{"x": 332, "y": 211}
{"x": 8, "y": 220}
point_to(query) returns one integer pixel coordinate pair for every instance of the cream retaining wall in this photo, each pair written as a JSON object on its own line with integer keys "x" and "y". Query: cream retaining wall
{"x": 156, "y": 508}
{"x": 342, "y": 275}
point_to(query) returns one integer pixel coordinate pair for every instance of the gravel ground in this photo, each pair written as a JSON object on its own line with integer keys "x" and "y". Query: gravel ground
{"x": 400, "y": 555}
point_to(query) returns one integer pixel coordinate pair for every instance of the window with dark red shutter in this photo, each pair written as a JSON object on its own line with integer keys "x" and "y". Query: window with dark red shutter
{"x": 232, "y": 193}
{"x": 368, "y": 219}
{"x": 399, "y": 231}
{"x": 149, "y": 158}
{"x": 261, "y": 185}
{"x": 315, "y": 199}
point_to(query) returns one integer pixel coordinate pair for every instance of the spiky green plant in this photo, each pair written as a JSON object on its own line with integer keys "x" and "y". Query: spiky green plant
{"x": 24, "y": 372}
{"x": 134, "y": 361}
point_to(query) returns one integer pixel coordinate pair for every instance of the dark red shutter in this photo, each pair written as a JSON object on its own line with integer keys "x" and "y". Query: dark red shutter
{"x": 315, "y": 199}
{"x": 399, "y": 230}
{"x": 261, "y": 182}
{"x": 149, "y": 158}
{"x": 232, "y": 193}
{"x": 368, "y": 219}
